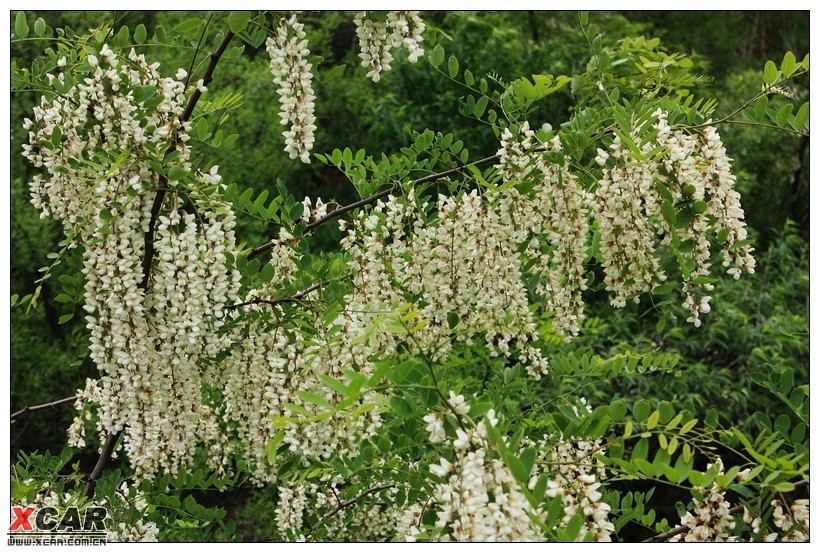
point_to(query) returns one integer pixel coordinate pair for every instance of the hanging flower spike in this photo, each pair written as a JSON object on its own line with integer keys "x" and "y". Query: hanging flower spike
{"x": 291, "y": 73}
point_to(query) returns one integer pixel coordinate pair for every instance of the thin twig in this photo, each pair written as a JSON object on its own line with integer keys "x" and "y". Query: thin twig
{"x": 682, "y": 529}
{"x": 375, "y": 197}
{"x": 290, "y": 299}
{"x": 349, "y": 502}
{"x": 49, "y": 405}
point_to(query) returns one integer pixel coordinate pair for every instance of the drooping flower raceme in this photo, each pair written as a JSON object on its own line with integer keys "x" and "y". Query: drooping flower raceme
{"x": 147, "y": 333}
{"x": 292, "y": 74}
{"x": 462, "y": 269}
{"x": 377, "y": 38}
{"x": 477, "y": 499}
{"x": 554, "y": 218}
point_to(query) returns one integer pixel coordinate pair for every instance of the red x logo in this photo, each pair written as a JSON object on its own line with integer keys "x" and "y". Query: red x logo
{"x": 21, "y": 518}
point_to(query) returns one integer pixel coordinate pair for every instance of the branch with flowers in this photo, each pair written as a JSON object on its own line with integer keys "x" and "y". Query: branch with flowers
{"x": 437, "y": 356}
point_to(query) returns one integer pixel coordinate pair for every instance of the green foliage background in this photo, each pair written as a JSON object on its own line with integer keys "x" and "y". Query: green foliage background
{"x": 762, "y": 319}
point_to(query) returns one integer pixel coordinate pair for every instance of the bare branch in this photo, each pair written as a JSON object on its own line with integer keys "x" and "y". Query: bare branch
{"x": 682, "y": 529}
{"x": 298, "y": 296}
{"x": 49, "y": 405}
{"x": 376, "y": 197}
{"x": 105, "y": 457}
{"x": 345, "y": 504}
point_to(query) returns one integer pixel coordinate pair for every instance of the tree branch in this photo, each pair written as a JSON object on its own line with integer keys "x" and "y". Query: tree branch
{"x": 294, "y": 298}
{"x": 160, "y": 197}
{"x": 345, "y": 504}
{"x": 105, "y": 457}
{"x": 683, "y": 529}
{"x": 376, "y": 197}
{"x": 28, "y": 409}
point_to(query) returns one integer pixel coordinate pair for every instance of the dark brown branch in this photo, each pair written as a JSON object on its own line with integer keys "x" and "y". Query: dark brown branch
{"x": 290, "y": 299}
{"x": 28, "y": 409}
{"x": 345, "y": 504}
{"x": 376, "y": 197}
{"x": 160, "y": 197}
{"x": 682, "y": 529}
{"x": 105, "y": 457}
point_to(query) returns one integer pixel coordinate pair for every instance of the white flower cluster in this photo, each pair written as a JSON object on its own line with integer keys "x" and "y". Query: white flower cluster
{"x": 122, "y": 504}
{"x": 697, "y": 173}
{"x": 556, "y": 216}
{"x": 377, "y": 38}
{"x": 146, "y": 337}
{"x": 373, "y": 518}
{"x": 724, "y": 205}
{"x": 269, "y": 370}
{"x": 291, "y": 73}
{"x": 625, "y": 205}
{"x": 578, "y": 486}
{"x": 792, "y": 520}
{"x": 711, "y": 520}
{"x": 463, "y": 270}
{"x": 478, "y": 499}
{"x": 89, "y": 394}
{"x": 700, "y": 172}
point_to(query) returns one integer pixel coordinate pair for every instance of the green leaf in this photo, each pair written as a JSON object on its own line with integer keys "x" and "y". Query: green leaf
{"x": 334, "y": 72}
{"x": 684, "y": 217}
{"x": 688, "y": 426}
{"x": 789, "y": 64}
{"x": 65, "y": 318}
{"x": 260, "y": 201}
{"x": 314, "y": 399}
{"x": 452, "y": 319}
{"x": 436, "y": 57}
{"x": 480, "y": 106}
{"x": 190, "y": 504}
{"x": 770, "y": 72}
{"x": 645, "y": 467}
{"x": 783, "y": 114}
{"x": 584, "y": 18}
{"x": 617, "y": 409}
{"x": 784, "y": 487}
{"x": 760, "y": 107}
{"x": 700, "y": 206}
{"x": 40, "y": 27}
{"x": 238, "y": 20}
{"x": 21, "y": 25}
{"x": 469, "y": 80}
{"x": 640, "y": 410}
{"x": 140, "y": 34}
{"x": 171, "y": 156}
{"x": 400, "y": 406}
{"x": 802, "y": 117}
{"x": 805, "y": 62}
{"x": 188, "y": 25}
{"x": 56, "y": 137}
{"x": 332, "y": 383}
{"x": 479, "y": 409}
{"x": 669, "y": 213}
{"x": 452, "y": 67}
{"x": 517, "y": 468}
{"x": 652, "y": 422}
{"x": 298, "y": 409}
